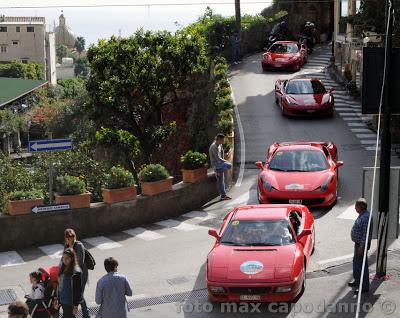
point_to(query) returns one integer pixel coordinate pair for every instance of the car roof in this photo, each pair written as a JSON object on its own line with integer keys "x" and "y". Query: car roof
{"x": 265, "y": 211}
{"x": 285, "y": 42}
{"x": 286, "y": 147}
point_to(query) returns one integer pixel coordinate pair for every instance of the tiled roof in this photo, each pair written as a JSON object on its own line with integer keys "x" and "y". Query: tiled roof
{"x": 22, "y": 19}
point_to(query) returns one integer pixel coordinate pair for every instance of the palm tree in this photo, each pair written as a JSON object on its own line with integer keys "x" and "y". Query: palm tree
{"x": 80, "y": 44}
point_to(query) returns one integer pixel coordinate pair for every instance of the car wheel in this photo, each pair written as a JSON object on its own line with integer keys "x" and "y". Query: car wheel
{"x": 258, "y": 195}
{"x": 313, "y": 245}
{"x": 303, "y": 287}
{"x": 276, "y": 101}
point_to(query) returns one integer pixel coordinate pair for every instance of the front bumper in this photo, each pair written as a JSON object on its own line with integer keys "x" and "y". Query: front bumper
{"x": 304, "y": 111}
{"x": 292, "y": 65}
{"x": 264, "y": 292}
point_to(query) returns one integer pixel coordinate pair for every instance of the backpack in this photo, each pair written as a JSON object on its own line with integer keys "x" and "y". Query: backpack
{"x": 89, "y": 260}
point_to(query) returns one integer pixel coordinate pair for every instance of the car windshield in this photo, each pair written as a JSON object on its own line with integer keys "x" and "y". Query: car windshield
{"x": 305, "y": 87}
{"x": 284, "y": 48}
{"x": 258, "y": 233}
{"x": 299, "y": 160}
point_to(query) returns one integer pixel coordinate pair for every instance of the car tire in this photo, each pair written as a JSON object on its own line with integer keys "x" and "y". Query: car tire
{"x": 276, "y": 101}
{"x": 313, "y": 245}
{"x": 303, "y": 287}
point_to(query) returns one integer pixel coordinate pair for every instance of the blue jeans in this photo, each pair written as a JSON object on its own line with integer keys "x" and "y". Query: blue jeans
{"x": 357, "y": 267}
{"x": 235, "y": 54}
{"x": 220, "y": 169}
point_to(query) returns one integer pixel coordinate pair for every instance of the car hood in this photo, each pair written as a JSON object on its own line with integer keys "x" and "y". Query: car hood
{"x": 296, "y": 181}
{"x": 280, "y": 57}
{"x": 309, "y": 99}
{"x": 258, "y": 264}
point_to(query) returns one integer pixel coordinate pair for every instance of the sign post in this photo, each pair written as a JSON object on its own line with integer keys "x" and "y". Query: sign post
{"x": 50, "y": 145}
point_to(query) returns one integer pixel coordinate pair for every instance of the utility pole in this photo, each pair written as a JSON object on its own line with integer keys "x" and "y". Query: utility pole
{"x": 238, "y": 15}
{"x": 384, "y": 178}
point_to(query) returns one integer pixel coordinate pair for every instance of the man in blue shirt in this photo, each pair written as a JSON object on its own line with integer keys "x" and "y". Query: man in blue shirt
{"x": 111, "y": 290}
{"x": 359, "y": 237}
{"x": 235, "y": 45}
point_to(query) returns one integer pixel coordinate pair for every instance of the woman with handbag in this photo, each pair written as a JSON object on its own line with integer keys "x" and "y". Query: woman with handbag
{"x": 69, "y": 290}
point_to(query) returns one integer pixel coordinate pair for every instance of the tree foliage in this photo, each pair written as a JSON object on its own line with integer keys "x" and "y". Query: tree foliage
{"x": 80, "y": 44}
{"x": 17, "y": 69}
{"x": 81, "y": 68}
{"x": 61, "y": 51}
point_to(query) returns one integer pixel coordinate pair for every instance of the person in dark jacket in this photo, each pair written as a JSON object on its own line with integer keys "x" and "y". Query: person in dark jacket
{"x": 71, "y": 241}
{"x": 69, "y": 290}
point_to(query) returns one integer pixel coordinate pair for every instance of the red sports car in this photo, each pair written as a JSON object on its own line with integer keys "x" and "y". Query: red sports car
{"x": 299, "y": 173}
{"x": 284, "y": 55}
{"x": 304, "y": 97}
{"x": 261, "y": 254}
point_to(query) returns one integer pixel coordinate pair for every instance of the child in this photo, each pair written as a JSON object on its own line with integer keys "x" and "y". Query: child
{"x": 37, "y": 291}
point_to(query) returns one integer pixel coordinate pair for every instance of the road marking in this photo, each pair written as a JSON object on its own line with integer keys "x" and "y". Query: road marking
{"x": 352, "y": 118}
{"x": 200, "y": 215}
{"x": 54, "y": 251}
{"x": 102, "y": 243}
{"x": 360, "y": 130}
{"x": 242, "y": 143}
{"x": 368, "y": 142}
{"x": 335, "y": 259}
{"x": 343, "y": 109}
{"x": 372, "y": 148}
{"x": 347, "y": 114}
{"x": 366, "y": 135}
{"x": 356, "y": 124}
{"x": 349, "y": 214}
{"x": 144, "y": 234}
{"x": 177, "y": 225}
{"x": 11, "y": 258}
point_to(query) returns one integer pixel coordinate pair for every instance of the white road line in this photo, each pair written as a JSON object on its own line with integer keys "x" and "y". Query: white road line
{"x": 11, "y": 258}
{"x": 102, "y": 243}
{"x": 343, "y": 109}
{"x": 177, "y": 225}
{"x": 144, "y": 234}
{"x": 347, "y": 114}
{"x": 352, "y": 118}
{"x": 54, "y": 251}
{"x": 372, "y": 148}
{"x": 335, "y": 259}
{"x": 348, "y": 214}
{"x": 360, "y": 130}
{"x": 368, "y": 142}
{"x": 242, "y": 144}
{"x": 366, "y": 136}
{"x": 200, "y": 215}
{"x": 356, "y": 124}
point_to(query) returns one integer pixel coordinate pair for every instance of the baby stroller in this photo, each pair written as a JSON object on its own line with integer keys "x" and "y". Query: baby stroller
{"x": 43, "y": 308}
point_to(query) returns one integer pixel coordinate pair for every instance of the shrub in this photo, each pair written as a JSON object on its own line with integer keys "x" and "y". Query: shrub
{"x": 193, "y": 160}
{"x": 225, "y": 126}
{"x": 220, "y": 74}
{"x": 223, "y": 83}
{"x": 223, "y": 92}
{"x": 221, "y": 67}
{"x": 226, "y": 114}
{"x": 227, "y": 146}
{"x": 70, "y": 185}
{"x": 220, "y": 60}
{"x": 118, "y": 178}
{"x": 223, "y": 103}
{"x": 153, "y": 172}
{"x": 25, "y": 195}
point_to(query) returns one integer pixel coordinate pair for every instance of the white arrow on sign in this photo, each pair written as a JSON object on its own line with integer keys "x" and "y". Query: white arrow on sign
{"x": 37, "y": 146}
{"x": 50, "y": 208}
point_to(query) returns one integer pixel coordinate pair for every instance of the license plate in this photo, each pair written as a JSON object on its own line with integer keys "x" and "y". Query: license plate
{"x": 310, "y": 111}
{"x": 250, "y": 297}
{"x": 295, "y": 201}
{"x": 278, "y": 65}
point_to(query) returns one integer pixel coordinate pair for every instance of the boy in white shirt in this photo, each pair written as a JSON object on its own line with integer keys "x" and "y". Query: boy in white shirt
{"x": 37, "y": 291}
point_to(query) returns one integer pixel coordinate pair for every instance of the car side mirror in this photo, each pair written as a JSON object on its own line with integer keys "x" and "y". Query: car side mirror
{"x": 331, "y": 90}
{"x": 339, "y": 163}
{"x": 260, "y": 165}
{"x": 214, "y": 233}
{"x": 303, "y": 233}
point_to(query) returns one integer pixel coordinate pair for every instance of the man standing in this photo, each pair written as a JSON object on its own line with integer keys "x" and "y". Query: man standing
{"x": 111, "y": 290}
{"x": 235, "y": 47}
{"x": 359, "y": 237}
{"x": 219, "y": 163}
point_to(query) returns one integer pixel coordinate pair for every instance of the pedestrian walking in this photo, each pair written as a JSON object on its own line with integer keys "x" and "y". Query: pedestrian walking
{"x": 219, "y": 164}
{"x": 71, "y": 241}
{"x": 235, "y": 44}
{"x": 111, "y": 290}
{"x": 69, "y": 289}
{"x": 359, "y": 237}
{"x": 18, "y": 309}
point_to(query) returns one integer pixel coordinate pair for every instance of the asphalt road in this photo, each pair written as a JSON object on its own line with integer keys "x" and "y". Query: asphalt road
{"x": 171, "y": 261}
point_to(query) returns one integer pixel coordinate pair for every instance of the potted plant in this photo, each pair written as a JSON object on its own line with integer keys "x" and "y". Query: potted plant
{"x": 227, "y": 150}
{"x": 72, "y": 190}
{"x": 225, "y": 126}
{"x": 194, "y": 166}
{"x": 154, "y": 179}
{"x": 22, "y": 202}
{"x": 119, "y": 185}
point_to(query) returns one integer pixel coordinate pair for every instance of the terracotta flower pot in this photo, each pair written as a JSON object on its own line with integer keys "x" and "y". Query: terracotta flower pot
{"x": 231, "y": 139}
{"x": 78, "y": 201}
{"x": 19, "y": 207}
{"x": 153, "y": 188}
{"x": 192, "y": 176}
{"x": 228, "y": 155}
{"x": 119, "y": 195}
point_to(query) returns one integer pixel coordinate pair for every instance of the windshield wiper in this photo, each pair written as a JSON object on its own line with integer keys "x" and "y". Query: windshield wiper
{"x": 232, "y": 243}
{"x": 261, "y": 244}
{"x": 278, "y": 169}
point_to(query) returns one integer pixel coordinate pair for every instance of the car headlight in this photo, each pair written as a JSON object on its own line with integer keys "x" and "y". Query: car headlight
{"x": 283, "y": 289}
{"x": 291, "y": 102}
{"x": 267, "y": 57}
{"x": 295, "y": 58}
{"x": 267, "y": 186}
{"x": 217, "y": 290}
{"x": 325, "y": 185}
{"x": 329, "y": 102}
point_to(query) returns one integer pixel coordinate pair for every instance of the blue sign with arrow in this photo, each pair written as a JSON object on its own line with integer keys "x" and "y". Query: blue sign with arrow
{"x": 50, "y": 145}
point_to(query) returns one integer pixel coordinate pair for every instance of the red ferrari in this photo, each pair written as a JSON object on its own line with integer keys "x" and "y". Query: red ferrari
{"x": 304, "y": 97}
{"x": 261, "y": 254}
{"x": 284, "y": 55}
{"x": 299, "y": 173}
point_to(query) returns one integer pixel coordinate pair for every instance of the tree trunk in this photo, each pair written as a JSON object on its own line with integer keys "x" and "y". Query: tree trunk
{"x": 238, "y": 15}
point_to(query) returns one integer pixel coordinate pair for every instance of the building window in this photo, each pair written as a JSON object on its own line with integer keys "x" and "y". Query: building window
{"x": 15, "y": 42}
{"x": 3, "y": 48}
{"x": 30, "y": 29}
{"x": 3, "y": 29}
{"x": 25, "y": 61}
{"x": 17, "y": 29}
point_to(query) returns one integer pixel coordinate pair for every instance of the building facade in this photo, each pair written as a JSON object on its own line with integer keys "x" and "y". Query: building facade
{"x": 25, "y": 39}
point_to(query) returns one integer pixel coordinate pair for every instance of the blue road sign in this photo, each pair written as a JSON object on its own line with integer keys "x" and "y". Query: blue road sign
{"x": 50, "y": 145}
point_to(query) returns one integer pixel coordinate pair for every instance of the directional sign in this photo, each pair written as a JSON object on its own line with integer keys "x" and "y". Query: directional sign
{"x": 50, "y": 208}
{"x": 50, "y": 145}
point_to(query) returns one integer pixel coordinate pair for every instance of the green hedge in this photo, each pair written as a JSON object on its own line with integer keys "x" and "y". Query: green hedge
{"x": 17, "y": 69}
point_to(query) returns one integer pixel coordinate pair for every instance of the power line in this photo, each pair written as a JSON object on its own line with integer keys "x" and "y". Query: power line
{"x": 158, "y": 4}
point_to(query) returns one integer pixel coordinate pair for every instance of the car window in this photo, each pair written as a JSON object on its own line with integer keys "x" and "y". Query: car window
{"x": 298, "y": 160}
{"x": 295, "y": 219}
{"x": 305, "y": 87}
{"x": 258, "y": 233}
{"x": 283, "y": 48}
